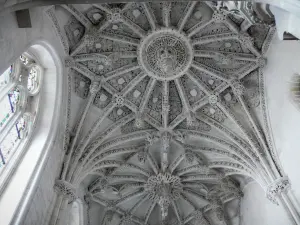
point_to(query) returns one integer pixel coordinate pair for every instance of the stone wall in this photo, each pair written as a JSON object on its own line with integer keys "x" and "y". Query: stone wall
{"x": 37, "y": 160}
{"x": 283, "y": 63}
{"x": 40, "y": 208}
{"x": 257, "y": 209}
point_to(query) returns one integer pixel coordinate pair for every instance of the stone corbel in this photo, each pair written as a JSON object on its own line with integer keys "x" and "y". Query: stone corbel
{"x": 65, "y": 189}
{"x": 275, "y": 189}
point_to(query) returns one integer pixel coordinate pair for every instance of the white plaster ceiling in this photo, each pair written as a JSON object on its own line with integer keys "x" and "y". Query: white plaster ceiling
{"x": 164, "y": 108}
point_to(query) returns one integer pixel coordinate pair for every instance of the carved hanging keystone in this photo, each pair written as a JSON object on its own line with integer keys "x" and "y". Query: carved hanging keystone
{"x": 139, "y": 122}
{"x": 237, "y": 87}
{"x": 262, "y": 62}
{"x": 142, "y": 156}
{"x": 217, "y": 207}
{"x": 198, "y": 215}
{"x": 213, "y": 99}
{"x": 246, "y": 40}
{"x": 94, "y": 87}
{"x": 115, "y": 16}
{"x": 163, "y": 188}
{"x": 127, "y": 219}
{"x": 189, "y": 156}
{"x": 190, "y": 119}
{"x": 89, "y": 39}
{"x": 223, "y": 59}
{"x": 119, "y": 100}
{"x": 109, "y": 216}
{"x": 219, "y": 16}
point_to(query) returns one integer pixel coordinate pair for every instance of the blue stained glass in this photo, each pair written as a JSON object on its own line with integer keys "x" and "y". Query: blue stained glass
{"x": 11, "y": 141}
{"x": 8, "y": 106}
{"x": 14, "y": 98}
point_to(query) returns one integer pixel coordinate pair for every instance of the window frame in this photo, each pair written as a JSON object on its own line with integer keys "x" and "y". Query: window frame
{"x": 24, "y": 109}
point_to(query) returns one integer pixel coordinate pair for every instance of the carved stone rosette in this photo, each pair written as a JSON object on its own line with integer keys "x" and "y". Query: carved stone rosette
{"x": 163, "y": 188}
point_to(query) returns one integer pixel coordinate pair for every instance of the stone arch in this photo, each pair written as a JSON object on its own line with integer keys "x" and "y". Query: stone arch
{"x": 75, "y": 213}
{"x": 26, "y": 167}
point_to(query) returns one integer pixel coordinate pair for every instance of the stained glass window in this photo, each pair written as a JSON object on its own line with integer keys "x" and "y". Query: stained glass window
{"x": 14, "y": 133}
{"x": 11, "y": 141}
{"x": 4, "y": 77}
{"x": 8, "y": 106}
{"x": 32, "y": 79}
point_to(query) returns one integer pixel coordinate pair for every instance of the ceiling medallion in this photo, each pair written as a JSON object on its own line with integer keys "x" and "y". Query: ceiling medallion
{"x": 163, "y": 188}
{"x": 165, "y": 54}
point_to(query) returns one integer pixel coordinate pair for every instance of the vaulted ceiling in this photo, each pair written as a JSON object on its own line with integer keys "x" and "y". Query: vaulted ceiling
{"x": 167, "y": 110}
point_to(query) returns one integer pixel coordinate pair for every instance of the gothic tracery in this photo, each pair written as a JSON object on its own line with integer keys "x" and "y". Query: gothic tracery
{"x": 182, "y": 85}
{"x": 19, "y": 95}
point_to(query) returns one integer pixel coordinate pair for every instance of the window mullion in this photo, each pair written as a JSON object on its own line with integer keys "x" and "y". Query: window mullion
{"x": 4, "y": 91}
{"x": 11, "y": 123}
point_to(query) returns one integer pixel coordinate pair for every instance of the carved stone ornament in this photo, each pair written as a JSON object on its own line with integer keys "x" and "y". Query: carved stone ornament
{"x": 115, "y": 16}
{"x": 127, "y": 219}
{"x": 69, "y": 62}
{"x": 279, "y": 186}
{"x": 262, "y": 62}
{"x": 119, "y": 100}
{"x": 109, "y": 216}
{"x": 142, "y": 156}
{"x": 94, "y": 87}
{"x": 65, "y": 189}
{"x": 217, "y": 207}
{"x": 167, "y": 80}
{"x": 165, "y": 54}
{"x": 219, "y": 16}
{"x": 89, "y": 39}
{"x": 163, "y": 185}
{"x": 237, "y": 87}
{"x": 213, "y": 99}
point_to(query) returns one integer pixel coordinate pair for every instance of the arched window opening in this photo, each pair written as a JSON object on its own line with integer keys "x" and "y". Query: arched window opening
{"x": 20, "y": 85}
{"x": 75, "y": 213}
{"x": 9, "y": 106}
{"x": 27, "y": 137}
{"x": 13, "y": 139}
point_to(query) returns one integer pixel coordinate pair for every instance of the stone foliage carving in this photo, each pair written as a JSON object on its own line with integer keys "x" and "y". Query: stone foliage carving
{"x": 65, "y": 189}
{"x": 274, "y": 190}
{"x": 163, "y": 188}
{"x": 152, "y": 69}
